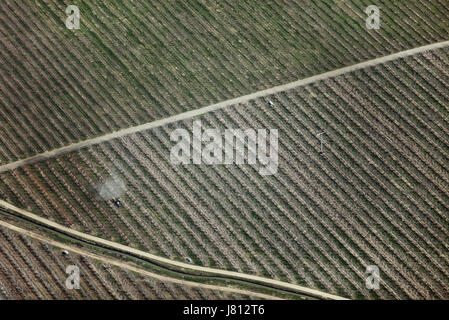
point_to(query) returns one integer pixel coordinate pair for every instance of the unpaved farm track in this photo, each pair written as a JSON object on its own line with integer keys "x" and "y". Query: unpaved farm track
{"x": 135, "y": 252}
{"x": 220, "y": 105}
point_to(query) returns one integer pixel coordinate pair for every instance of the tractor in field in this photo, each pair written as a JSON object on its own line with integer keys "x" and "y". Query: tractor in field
{"x": 117, "y": 203}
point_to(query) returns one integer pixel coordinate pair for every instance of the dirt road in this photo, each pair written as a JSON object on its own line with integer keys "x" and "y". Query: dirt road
{"x": 220, "y": 105}
{"x": 212, "y": 271}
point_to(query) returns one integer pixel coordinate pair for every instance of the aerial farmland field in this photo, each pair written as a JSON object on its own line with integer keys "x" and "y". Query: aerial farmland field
{"x": 137, "y": 61}
{"x": 361, "y": 201}
{"x": 208, "y": 150}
